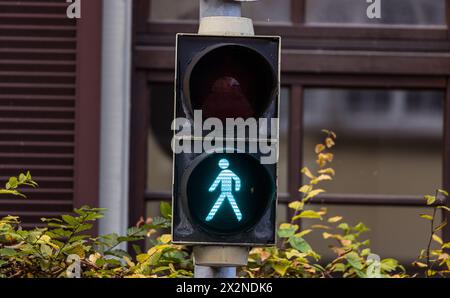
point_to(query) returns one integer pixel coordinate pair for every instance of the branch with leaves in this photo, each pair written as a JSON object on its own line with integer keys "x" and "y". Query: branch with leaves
{"x": 435, "y": 261}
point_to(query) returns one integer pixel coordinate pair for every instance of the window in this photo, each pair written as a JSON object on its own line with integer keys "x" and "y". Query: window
{"x": 387, "y": 138}
{"x": 395, "y": 232}
{"x": 174, "y": 10}
{"x": 397, "y": 12}
{"x": 389, "y": 144}
{"x": 159, "y": 168}
{"x": 268, "y": 12}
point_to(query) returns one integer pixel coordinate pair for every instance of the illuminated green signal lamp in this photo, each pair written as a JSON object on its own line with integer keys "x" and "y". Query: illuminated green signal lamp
{"x": 228, "y": 196}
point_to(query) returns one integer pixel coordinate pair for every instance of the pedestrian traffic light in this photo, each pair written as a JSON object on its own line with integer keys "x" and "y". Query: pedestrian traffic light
{"x": 225, "y": 139}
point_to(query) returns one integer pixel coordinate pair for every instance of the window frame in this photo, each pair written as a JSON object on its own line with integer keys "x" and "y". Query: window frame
{"x": 298, "y": 28}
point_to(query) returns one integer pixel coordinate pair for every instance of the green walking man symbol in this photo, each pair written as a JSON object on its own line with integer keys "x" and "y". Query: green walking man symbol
{"x": 225, "y": 178}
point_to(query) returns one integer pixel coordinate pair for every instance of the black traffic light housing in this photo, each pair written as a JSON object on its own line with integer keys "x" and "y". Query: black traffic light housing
{"x": 226, "y": 77}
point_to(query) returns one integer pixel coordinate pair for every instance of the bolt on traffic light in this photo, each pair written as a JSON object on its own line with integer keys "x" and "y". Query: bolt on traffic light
{"x": 226, "y": 139}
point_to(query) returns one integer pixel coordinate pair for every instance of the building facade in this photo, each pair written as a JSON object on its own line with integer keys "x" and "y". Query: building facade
{"x": 92, "y": 123}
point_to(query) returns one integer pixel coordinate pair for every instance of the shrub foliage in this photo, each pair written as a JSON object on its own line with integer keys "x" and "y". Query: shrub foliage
{"x": 65, "y": 247}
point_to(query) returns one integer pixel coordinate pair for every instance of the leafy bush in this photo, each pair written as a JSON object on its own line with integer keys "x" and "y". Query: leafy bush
{"x": 65, "y": 248}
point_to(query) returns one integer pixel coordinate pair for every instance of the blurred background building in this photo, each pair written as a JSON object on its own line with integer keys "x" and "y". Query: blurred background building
{"x": 381, "y": 84}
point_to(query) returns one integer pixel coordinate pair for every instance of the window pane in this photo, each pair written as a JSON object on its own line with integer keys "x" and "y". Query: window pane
{"x": 171, "y": 10}
{"x": 389, "y": 142}
{"x": 268, "y": 11}
{"x": 396, "y": 232}
{"x": 393, "y": 12}
{"x": 159, "y": 157}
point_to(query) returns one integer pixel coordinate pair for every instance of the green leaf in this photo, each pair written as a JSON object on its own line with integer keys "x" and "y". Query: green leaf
{"x": 94, "y": 216}
{"x": 12, "y": 183}
{"x": 8, "y": 252}
{"x": 360, "y": 227}
{"x": 287, "y": 230}
{"x": 137, "y": 249}
{"x": 120, "y": 253}
{"x": 300, "y": 244}
{"x": 113, "y": 262}
{"x": 354, "y": 260}
{"x": 389, "y": 265}
{"x": 154, "y": 258}
{"x": 46, "y": 250}
{"x": 339, "y": 267}
{"x": 78, "y": 238}
{"x": 166, "y": 210}
{"x": 84, "y": 227}
{"x": 70, "y": 220}
{"x": 281, "y": 266}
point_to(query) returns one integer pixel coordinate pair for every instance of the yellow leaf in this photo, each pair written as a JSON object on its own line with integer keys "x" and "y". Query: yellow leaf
{"x": 320, "y": 227}
{"x": 303, "y": 233}
{"x": 129, "y": 262}
{"x": 142, "y": 258}
{"x": 281, "y": 267}
{"x": 444, "y": 192}
{"x": 430, "y": 199}
{"x": 444, "y": 207}
{"x": 297, "y": 205}
{"x": 308, "y": 173}
{"x": 166, "y": 238}
{"x": 313, "y": 193}
{"x": 294, "y": 253}
{"x": 437, "y": 239}
{"x": 319, "y": 148}
{"x": 335, "y": 219}
{"x": 305, "y": 188}
{"x": 426, "y": 216}
{"x": 323, "y": 158}
{"x": 287, "y": 226}
{"x": 152, "y": 250}
{"x": 326, "y": 235}
{"x": 420, "y": 264}
{"x": 328, "y": 171}
{"x": 323, "y": 211}
{"x": 330, "y": 143}
{"x": 321, "y": 178}
{"x": 308, "y": 214}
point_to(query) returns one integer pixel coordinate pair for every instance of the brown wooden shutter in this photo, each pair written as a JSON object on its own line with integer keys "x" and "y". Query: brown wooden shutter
{"x": 41, "y": 105}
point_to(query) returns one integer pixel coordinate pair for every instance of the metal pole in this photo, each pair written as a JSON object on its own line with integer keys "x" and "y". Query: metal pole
{"x": 210, "y": 8}
{"x": 218, "y": 8}
{"x": 115, "y": 115}
{"x": 214, "y": 272}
